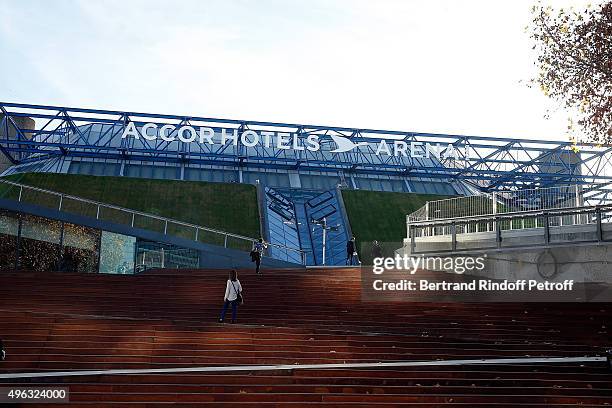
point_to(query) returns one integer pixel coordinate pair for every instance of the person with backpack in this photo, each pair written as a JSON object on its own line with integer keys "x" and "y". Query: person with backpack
{"x": 350, "y": 251}
{"x": 257, "y": 254}
{"x": 233, "y": 295}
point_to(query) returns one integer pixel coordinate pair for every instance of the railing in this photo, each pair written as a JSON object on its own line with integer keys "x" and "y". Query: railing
{"x": 166, "y": 258}
{"x": 136, "y": 219}
{"x": 566, "y": 196}
{"x": 512, "y": 230}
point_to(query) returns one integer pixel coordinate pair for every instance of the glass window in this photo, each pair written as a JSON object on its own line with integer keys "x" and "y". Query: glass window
{"x": 80, "y": 250}
{"x": 386, "y": 185}
{"x": 74, "y": 167}
{"x": 117, "y": 253}
{"x": 86, "y": 168}
{"x": 39, "y": 244}
{"x": 9, "y": 228}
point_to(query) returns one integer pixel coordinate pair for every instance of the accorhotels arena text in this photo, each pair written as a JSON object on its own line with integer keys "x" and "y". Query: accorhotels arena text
{"x": 285, "y": 141}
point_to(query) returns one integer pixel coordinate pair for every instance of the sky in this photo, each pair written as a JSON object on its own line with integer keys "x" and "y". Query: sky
{"x": 455, "y": 67}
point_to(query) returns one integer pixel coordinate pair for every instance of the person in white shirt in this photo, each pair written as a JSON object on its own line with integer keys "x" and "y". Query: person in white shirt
{"x": 233, "y": 295}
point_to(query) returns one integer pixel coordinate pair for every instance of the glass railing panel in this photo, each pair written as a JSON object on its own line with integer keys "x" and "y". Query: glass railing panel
{"x": 116, "y": 215}
{"x": 239, "y": 244}
{"x": 40, "y": 198}
{"x": 149, "y": 223}
{"x": 79, "y": 207}
{"x": 181, "y": 230}
{"x": 212, "y": 238}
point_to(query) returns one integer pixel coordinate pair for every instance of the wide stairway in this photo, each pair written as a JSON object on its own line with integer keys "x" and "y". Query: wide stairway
{"x": 163, "y": 319}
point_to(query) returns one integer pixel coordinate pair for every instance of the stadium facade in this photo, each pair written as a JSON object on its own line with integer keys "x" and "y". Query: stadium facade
{"x": 299, "y": 169}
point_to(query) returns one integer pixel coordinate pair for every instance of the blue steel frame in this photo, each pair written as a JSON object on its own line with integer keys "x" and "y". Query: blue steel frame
{"x": 489, "y": 163}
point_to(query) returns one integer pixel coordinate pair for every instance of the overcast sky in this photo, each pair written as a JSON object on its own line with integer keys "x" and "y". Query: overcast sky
{"x": 427, "y": 66}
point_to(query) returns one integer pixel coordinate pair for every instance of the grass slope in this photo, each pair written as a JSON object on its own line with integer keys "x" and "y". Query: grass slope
{"x": 381, "y": 216}
{"x": 228, "y": 207}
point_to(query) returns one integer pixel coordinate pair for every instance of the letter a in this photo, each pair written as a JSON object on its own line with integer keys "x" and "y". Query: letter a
{"x": 130, "y": 130}
{"x": 383, "y": 147}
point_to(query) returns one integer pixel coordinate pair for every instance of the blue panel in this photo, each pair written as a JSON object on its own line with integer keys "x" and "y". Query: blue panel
{"x": 335, "y": 248}
{"x": 289, "y": 213}
{"x": 282, "y": 225}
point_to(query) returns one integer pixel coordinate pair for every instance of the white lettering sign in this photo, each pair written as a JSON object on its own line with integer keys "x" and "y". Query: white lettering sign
{"x": 287, "y": 141}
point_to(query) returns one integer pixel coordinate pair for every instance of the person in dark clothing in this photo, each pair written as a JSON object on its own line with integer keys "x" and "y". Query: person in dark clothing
{"x": 350, "y": 251}
{"x": 376, "y": 250}
{"x": 257, "y": 254}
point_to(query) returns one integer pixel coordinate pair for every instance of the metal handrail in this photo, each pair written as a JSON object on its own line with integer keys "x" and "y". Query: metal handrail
{"x": 513, "y": 215}
{"x": 566, "y": 194}
{"x": 429, "y": 227}
{"x": 166, "y": 220}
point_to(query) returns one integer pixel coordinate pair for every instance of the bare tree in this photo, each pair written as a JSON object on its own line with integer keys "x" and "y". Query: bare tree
{"x": 575, "y": 65}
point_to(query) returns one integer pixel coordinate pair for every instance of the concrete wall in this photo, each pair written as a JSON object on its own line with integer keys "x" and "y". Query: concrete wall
{"x": 584, "y": 263}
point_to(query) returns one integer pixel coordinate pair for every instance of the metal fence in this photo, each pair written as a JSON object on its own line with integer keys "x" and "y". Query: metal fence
{"x": 178, "y": 258}
{"x": 567, "y": 196}
{"x": 125, "y": 216}
{"x": 524, "y": 229}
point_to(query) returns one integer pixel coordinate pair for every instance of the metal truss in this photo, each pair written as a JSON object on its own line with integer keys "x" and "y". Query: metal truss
{"x": 490, "y": 163}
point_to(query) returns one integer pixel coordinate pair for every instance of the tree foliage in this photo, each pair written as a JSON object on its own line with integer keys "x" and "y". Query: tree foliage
{"x": 575, "y": 65}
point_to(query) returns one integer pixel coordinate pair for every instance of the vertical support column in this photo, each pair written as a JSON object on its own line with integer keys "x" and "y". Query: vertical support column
{"x": 135, "y": 249}
{"x": 99, "y": 254}
{"x": 324, "y": 238}
{"x": 454, "y": 236}
{"x": 408, "y": 227}
{"x": 344, "y": 214}
{"x": 578, "y": 200}
{"x": 427, "y": 217}
{"x": 494, "y": 203}
{"x": 61, "y": 247}
{"x": 18, "y": 249}
{"x": 498, "y": 237}
{"x": 546, "y": 229}
{"x": 576, "y": 204}
{"x": 599, "y": 228}
{"x": 261, "y": 208}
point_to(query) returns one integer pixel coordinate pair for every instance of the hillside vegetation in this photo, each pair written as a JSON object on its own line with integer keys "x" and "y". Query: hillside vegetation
{"x": 226, "y": 206}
